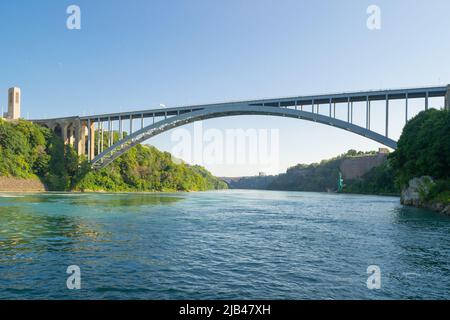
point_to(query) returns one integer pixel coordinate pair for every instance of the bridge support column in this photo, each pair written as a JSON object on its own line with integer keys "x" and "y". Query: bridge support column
{"x": 348, "y": 109}
{"x": 367, "y": 112}
{"x": 91, "y": 141}
{"x": 406, "y": 108}
{"x": 80, "y": 138}
{"x": 101, "y": 137}
{"x": 71, "y": 132}
{"x": 98, "y": 136}
{"x": 120, "y": 128}
{"x": 351, "y": 112}
{"x": 131, "y": 123}
{"x": 64, "y": 129}
{"x": 330, "y": 107}
{"x": 387, "y": 116}
{"x": 111, "y": 132}
{"x": 447, "y": 98}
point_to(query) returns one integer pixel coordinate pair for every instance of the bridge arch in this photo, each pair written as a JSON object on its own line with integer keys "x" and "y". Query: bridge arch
{"x": 58, "y": 130}
{"x": 109, "y": 155}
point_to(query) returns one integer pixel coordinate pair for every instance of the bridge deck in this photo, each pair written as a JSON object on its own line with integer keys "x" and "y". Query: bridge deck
{"x": 361, "y": 96}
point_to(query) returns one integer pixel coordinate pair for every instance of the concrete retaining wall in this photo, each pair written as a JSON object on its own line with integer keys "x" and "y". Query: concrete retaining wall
{"x": 8, "y": 184}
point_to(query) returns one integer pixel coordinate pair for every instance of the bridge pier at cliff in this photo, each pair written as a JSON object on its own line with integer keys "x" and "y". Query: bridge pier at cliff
{"x": 74, "y": 132}
{"x": 85, "y": 138}
{"x": 80, "y": 138}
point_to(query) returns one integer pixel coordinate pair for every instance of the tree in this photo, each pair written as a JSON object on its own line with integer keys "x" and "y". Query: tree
{"x": 424, "y": 147}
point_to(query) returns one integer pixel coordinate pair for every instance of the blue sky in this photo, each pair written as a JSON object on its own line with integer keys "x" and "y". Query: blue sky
{"x": 139, "y": 54}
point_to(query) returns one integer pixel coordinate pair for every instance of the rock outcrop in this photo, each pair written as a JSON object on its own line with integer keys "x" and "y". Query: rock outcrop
{"x": 416, "y": 194}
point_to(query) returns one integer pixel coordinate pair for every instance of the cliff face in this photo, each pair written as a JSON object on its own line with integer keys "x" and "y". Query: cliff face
{"x": 356, "y": 167}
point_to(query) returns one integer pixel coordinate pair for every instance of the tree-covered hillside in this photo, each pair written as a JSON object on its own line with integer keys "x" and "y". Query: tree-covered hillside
{"x": 424, "y": 150}
{"x": 144, "y": 168}
{"x": 28, "y": 150}
{"x": 323, "y": 176}
{"x": 319, "y": 177}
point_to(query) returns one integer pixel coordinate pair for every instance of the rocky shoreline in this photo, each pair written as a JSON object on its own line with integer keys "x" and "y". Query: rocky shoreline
{"x": 10, "y": 184}
{"x": 417, "y": 191}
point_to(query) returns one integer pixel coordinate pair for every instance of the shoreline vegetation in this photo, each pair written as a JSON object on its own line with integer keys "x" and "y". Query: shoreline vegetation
{"x": 363, "y": 173}
{"x": 29, "y": 152}
{"x": 418, "y": 171}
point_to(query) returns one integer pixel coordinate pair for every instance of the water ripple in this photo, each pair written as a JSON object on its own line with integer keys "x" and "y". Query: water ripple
{"x": 220, "y": 245}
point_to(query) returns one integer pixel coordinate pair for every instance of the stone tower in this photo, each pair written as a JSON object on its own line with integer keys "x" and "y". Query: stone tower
{"x": 14, "y": 100}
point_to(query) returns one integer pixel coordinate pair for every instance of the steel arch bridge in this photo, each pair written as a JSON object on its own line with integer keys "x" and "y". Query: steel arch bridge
{"x": 106, "y": 157}
{"x": 80, "y": 131}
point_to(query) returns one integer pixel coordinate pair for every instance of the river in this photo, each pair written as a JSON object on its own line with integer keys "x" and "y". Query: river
{"x": 221, "y": 245}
